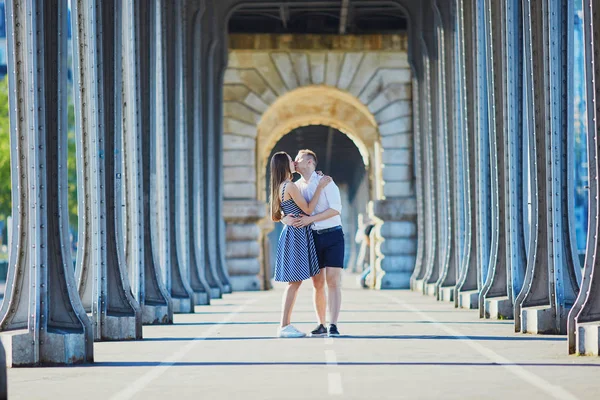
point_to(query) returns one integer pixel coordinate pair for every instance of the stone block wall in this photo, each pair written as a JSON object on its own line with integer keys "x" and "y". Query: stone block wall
{"x": 358, "y": 85}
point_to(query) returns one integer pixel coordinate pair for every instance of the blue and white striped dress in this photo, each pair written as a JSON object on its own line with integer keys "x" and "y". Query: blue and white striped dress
{"x": 296, "y": 254}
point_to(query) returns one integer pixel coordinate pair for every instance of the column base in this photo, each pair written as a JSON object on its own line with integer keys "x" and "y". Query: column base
{"x": 468, "y": 300}
{"x": 418, "y": 285}
{"x": 393, "y": 280}
{"x": 540, "y": 320}
{"x": 120, "y": 328}
{"x": 182, "y": 305}
{"x": 201, "y": 298}
{"x": 215, "y": 293}
{"x": 431, "y": 289}
{"x": 499, "y": 308}
{"x": 244, "y": 283}
{"x": 588, "y": 339}
{"x": 57, "y": 349}
{"x": 156, "y": 315}
{"x": 446, "y": 294}
{"x": 227, "y": 289}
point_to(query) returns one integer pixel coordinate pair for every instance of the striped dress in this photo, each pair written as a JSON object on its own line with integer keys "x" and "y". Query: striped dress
{"x": 296, "y": 254}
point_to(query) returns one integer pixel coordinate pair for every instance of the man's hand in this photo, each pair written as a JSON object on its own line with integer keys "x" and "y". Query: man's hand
{"x": 303, "y": 221}
{"x": 289, "y": 220}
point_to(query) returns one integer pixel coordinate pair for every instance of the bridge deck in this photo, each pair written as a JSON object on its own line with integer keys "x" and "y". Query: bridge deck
{"x": 397, "y": 344}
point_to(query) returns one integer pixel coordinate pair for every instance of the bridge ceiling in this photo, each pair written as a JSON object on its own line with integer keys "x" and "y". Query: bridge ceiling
{"x": 319, "y": 17}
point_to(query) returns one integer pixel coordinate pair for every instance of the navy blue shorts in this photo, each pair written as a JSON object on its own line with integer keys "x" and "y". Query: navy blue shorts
{"x": 330, "y": 248}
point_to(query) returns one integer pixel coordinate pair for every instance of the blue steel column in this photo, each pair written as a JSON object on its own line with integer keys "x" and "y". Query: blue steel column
{"x": 183, "y": 10}
{"x": 461, "y": 156}
{"x": 220, "y": 62}
{"x": 446, "y": 49}
{"x": 151, "y": 292}
{"x": 467, "y": 290}
{"x": 167, "y": 142}
{"x": 432, "y": 256}
{"x": 483, "y": 125}
{"x": 195, "y": 72}
{"x": 551, "y": 280}
{"x": 422, "y": 154}
{"x": 103, "y": 281}
{"x": 508, "y": 272}
{"x": 192, "y": 12}
{"x": 493, "y": 299}
{"x": 438, "y": 147}
{"x": 209, "y": 166}
{"x": 416, "y": 60}
{"x": 584, "y": 318}
{"x": 515, "y": 120}
{"x": 43, "y": 320}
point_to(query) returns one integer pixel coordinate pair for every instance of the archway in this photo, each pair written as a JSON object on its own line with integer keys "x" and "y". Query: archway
{"x": 365, "y": 94}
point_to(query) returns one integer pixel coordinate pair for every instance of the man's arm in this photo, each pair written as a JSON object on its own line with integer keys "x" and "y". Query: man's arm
{"x": 304, "y": 220}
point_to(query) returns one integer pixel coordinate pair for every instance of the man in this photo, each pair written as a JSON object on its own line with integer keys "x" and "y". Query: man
{"x": 326, "y": 225}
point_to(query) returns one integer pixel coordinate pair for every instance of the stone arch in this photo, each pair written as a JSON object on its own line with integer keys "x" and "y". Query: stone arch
{"x": 333, "y": 108}
{"x": 362, "y": 90}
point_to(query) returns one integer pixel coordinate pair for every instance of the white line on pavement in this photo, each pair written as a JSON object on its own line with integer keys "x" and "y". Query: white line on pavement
{"x": 335, "y": 384}
{"x": 330, "y": 358}
{"x": 334, "y": 379}
{"x": 552, "y": 390}
{"x": 143, "y": 381}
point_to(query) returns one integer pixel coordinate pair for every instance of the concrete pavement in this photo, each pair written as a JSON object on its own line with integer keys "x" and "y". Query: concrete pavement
{"x": 395, "y": 345}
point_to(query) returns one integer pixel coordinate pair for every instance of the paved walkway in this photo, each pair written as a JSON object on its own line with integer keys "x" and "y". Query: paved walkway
{"x": 396, "y": 345}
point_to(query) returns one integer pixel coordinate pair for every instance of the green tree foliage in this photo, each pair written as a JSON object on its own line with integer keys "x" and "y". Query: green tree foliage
{"x": 5, "y": 200}
{"x": 5, "y": 183}
{"x": 72, "y": 163}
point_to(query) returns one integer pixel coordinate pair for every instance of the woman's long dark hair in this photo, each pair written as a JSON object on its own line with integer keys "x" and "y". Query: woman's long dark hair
{"x": 280, "y": 172}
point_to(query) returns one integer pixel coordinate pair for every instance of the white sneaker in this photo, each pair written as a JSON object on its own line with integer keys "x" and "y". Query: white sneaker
{"x": 290, "y": 332}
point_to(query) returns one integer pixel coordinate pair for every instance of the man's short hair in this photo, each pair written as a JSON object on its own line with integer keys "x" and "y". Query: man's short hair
{"x": 311, "y": 154}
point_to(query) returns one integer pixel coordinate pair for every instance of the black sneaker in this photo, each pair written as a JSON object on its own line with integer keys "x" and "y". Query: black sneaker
{"x": 333, "y": 330}
{"x": 319, "y": 331}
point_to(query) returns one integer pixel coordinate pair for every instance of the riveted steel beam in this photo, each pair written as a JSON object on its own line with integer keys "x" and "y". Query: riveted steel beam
{"x": 188, "y": 90}
{"x": 101, "y": 269}
{"x": 484, "y": 130}
{"x": 148, "y": 285}
{"x": 428, "y": 176}
{"x": 416, "y": 58}
{"x": 220, "y": 66}
{"x": 458, "y": 120}
{"x": 514, "y": 142}
{"x": 467, "y": 292}
{"x": 210, "y": 175}
{"x": 182, "y": 14}
{"x": 551, "y": 283}
{"x": 584, "y": 317}
{"x": 508, "y": 270}
{"x": 433, "y": 40}
{"x": 493, "y": 299}
{"x": 430, "y": 85}
{"x": 42, "y": 318}
{"x": 168, "y": 169}
{"x": 446, "y": 49}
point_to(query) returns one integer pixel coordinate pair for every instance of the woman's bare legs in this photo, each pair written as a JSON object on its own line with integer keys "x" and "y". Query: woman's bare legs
{"x": 289, "y": 298}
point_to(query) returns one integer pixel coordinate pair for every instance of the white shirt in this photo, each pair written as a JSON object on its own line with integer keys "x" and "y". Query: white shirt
{"x": 330, "y": 198}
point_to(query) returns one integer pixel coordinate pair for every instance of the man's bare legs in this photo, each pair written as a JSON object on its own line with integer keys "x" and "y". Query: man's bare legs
{"x": 319, "y": 297}
{"x": 289, "y": 298}
{"x": 331, "y": 299}
{"x": 334, "y": 292}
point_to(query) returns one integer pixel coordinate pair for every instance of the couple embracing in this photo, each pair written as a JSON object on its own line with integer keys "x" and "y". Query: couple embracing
{"x": 311, "y": 244}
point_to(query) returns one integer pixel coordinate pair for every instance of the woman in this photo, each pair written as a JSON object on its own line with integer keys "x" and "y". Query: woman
{"x": 296, "y": 255}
